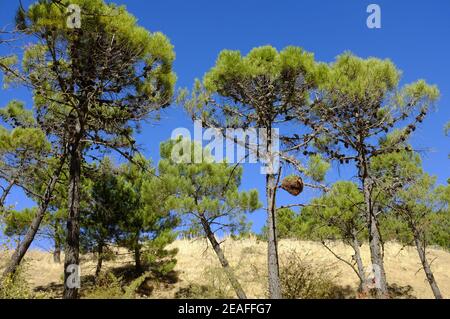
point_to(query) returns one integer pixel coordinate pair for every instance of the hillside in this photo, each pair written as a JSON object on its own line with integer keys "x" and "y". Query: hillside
{"x": 198, "y": 267}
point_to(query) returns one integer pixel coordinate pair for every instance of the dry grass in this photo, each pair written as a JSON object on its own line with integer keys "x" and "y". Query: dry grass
{"x": 197, "y": 265}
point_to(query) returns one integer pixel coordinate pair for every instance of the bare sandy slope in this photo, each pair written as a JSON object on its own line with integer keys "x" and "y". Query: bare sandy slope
{"x": 197, "y": 264}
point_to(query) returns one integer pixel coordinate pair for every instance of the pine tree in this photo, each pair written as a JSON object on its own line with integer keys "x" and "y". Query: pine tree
{"x": 206, "y": 196}
{"x": 338, "y": 215}
{"x": 413, "y": 201}
{"x": 27, "y": 161}
{"x": 357, "y": 105}
{"x": 100, "y": 217}
{"x": 146, "y": 224}
{"x": 263, "y": 89}
{"x": 91, "y": 85}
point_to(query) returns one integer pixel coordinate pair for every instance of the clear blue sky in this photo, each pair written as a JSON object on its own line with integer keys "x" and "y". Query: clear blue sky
{"x": 414, "y": 35}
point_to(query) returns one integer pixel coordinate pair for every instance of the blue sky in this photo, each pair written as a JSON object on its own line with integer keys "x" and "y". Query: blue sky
{"x": 414, "y": 35}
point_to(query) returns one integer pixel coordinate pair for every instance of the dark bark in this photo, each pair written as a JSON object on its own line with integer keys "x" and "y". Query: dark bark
{"x": 23, "y": 246}
{"x": 98, "y": 269}
{"x": 72, "y": 249}
{"x": 223, "y": 260}
{"x": 6, "y": 192}
{"x": 57, "y": 252}
{"x": 426, "y": 265}
{"x": 58, "y": 243}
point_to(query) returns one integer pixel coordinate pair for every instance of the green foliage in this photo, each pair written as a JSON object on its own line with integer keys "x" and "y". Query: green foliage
{"x": 288, "y": 224}
{"x": 15, "y": 286}
{"x": 130, "y": 290}
{"x": 412, "y": 202}
{"x": 439, "y": 229}
{"x": 317, "y": 168}
{"x": 301, "y": 280}
{"x": 16, "y": 223}
{"x": 24, "y": 147}
{"x": 281, "y": 81}
{"x": 143, "y": 66}
{"x": 16, "y": 115}
{"x": 261, "y": 61}
{"x": 335, "y": 215}
{"x": 205, "y": 190}
{"x": 440, "y": 220}
{"x": 107, "y": 202}
{"x": 107, "y": 286}
{"x": 393, "y": 228}
{"x": 160, "y": 259}
{"x": 147, "y": 217}
{"x": 127, "y": 208}
{"x": 362, "y": 103}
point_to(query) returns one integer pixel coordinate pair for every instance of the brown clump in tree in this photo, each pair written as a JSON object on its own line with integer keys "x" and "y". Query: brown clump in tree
{"x": 292, "y": 184}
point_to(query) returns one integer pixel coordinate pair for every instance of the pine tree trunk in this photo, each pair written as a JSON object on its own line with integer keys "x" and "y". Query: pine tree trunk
{"x": 72, "y": 251}
{"x": 272, "y": 242}
{"x": 363, "y": 288}
{"x": 6, "y": 192}
{"x": 98, "y": 269}
{"x": 23, "y": 246}
{"x": 223, "y": 260}
{"x": 137, "y": 254}
{"x": 57, "y": 252}
{"x": 374, "y": 242}
{"x": 426, "y": 266}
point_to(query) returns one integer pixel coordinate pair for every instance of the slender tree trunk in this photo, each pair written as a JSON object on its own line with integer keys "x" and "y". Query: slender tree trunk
{"x": 363, "y": 288}
{"x": 23, "y": 246}
{"x": 272, "y": 242}
{"x": 58, "y": 243}
{"x": 426, "y": 266}
{"x": 72, "y": 250}
{"x": 137, "y": 254}
{"x": 223, "y": 260}
{"x": 374, "y": 242}
{"x": 6, "y": 192}
{"x": 98, "y": 269}
{"x": 57, "y": 251}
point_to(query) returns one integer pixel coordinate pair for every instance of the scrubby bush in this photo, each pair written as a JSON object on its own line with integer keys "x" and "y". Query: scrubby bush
{"x": 300, "y": 279}
{"x": 215, "y": 286}
{"x": 15, "y": 286}
{"x": 107, "y": 286}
